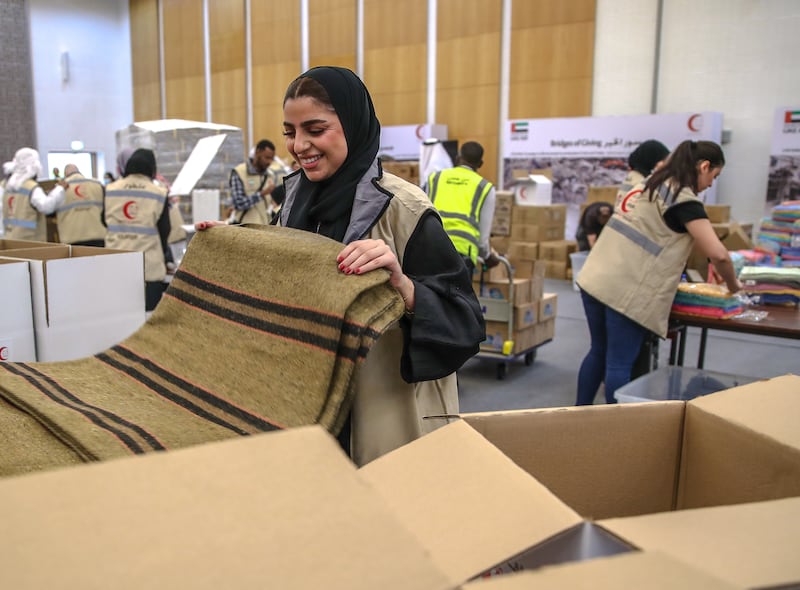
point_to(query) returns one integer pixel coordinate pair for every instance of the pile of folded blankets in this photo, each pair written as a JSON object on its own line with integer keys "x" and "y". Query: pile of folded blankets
{"x": 706, "y": 300}
{"x": 774, "y": 285}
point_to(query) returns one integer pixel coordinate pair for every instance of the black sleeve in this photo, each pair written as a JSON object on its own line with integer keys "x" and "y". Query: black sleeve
{"x": 447, "y": 326}
{"x": 164, "y": 225}
{"x": 677, "y": 216}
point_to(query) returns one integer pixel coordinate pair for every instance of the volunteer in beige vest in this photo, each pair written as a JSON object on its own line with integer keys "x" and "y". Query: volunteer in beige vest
{"x": 80, "y": 216}
{"x": 629, "y": 279}
{"x": 25, "y": 204}
{"x": 407, "y": 385}
{"x": 251, "y": 183}
{"x": 137, "y": 217}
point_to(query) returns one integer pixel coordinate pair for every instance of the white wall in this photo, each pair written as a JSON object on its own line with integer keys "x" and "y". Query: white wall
{"x": 98, "y": 98}
{"x": 738, "y": 57}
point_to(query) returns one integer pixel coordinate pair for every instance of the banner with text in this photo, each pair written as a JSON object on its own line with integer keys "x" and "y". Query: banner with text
{"x": 593, "y": 151}
{"x": 784, "y": 161}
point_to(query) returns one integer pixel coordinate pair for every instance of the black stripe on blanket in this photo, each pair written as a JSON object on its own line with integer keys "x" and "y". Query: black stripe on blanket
{"x": 301, "y": 313}
{"x": 303, "y": 337}
{"x": 165, "y": 393}
{"x": 60, "y": 395}
{"x": 182, "y": 387}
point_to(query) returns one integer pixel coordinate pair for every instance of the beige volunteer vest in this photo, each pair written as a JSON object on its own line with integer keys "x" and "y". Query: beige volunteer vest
{"x": 79, "y": 216}
{"x": 133, "y": 207}
{"x": 388, "y": 412}
{"x": 20, "y": 219}
{"x": 252, "y": 184}
{"x": 636, "y": 263}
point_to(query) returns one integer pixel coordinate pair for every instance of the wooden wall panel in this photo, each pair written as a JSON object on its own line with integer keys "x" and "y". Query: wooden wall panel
{"x": 228, "y": 62}
{"x": 276, "y": 62}
{"x": 332, "y": 33}
{"x": 146, "y": 60}
{"x": 395, "y": 62}
{"x": 184, "y": 59}
{"x": 552, "y": 56}
{"x": 468, "y": 74}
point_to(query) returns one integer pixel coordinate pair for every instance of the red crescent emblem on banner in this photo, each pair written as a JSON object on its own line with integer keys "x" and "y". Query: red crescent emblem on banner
{"x": 78, "y": 192}
{"x": 695, "y": 122}
{"x": 3, "y": 353}
{"x": 624, "y": 205}
{"x": 129, "y": 209}
{"x": 418, "y": 131}
{"x": 11, "y": 203}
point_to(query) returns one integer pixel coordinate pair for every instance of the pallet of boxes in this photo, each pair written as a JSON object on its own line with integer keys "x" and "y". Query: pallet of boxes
{"x": 518, "y": 231}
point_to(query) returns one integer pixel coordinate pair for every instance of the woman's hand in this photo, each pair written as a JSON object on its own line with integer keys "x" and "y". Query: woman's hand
{"x": 202, "y": 225}
{"x": 362, "y": 256}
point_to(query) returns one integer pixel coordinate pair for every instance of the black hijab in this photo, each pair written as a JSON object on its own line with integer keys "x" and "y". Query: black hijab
{"x": 324, "y": 207}
{"x": 142, "y": 161}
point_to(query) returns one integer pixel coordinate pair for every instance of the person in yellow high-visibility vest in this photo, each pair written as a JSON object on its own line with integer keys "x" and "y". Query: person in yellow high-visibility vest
{"x": 465, "y": 200}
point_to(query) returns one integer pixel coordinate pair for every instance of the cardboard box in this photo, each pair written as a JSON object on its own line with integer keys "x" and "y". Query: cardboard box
{"x": 548, "y": 306}
{"x": 558, "y": 250}
{"x": 556, "y": 269}
{"x": 526, "y": 315}
{"x": 524, "y": 232}
{"x": 16, "y": 316}
{"x": 718, "y": 213}
{"x": 503, "y": 202}
{"x": 537, "y": 189}
{"x": 21, "y": 245}
{"x": 542, "y": 215}
{"x": 279, "y": 510}
{"x": 523, "y": 250}
{"x": 84, "y": 299}
{"x": 501, "y": 244}
{"x": 617, "y": 465}
{"x": 502, "y": 290}
{"x": 598, "y": 194}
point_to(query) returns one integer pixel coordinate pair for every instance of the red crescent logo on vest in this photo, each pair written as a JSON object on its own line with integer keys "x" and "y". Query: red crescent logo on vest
{"x": 695, "y": 122}
{"x": 418, "y": 131}
{"x": 624, "y": 205}
{"x": 522, "y": 195}
{"x": 78, "y": 192}
{"x": 11, "y": 203}
{"x": 129, "y": 209}
{"x": 3, "y": 353}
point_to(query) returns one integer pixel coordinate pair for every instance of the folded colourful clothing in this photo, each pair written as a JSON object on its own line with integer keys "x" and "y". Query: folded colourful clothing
{"x": 704, "y": 311}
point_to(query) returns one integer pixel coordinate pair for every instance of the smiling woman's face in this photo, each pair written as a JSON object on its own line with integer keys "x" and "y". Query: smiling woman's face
{"x": 314, "y": 137}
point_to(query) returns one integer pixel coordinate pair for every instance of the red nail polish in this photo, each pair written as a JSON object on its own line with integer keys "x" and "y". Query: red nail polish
{"x": 341, "y": 267}
{"x": 358, "y": 271}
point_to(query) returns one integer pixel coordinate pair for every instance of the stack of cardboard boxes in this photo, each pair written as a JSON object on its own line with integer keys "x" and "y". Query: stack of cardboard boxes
{"x": 531, "y": 239}
{"x": 407, "y": 170}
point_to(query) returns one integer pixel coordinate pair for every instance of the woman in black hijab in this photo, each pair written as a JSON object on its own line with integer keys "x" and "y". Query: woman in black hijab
{"x": 341, "y": 192}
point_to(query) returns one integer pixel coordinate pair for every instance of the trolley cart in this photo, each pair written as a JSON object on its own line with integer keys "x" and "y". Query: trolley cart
{"x": 502, "y": 310}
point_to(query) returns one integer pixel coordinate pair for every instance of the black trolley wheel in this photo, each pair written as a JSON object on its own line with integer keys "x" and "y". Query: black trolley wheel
{"x": 502, "y": 370}
{"x": 530, "y": 356}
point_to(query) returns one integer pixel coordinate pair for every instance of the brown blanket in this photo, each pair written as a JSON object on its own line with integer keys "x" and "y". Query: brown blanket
{"x": 258, "y": 331}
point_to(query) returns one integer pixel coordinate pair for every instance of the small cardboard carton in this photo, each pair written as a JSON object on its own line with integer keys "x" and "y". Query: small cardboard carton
{"x": 543, "y": 215}
{"x": 21, "y": 245}
{"x": 276, "y": 510}
{"x": 718, "y": 213}
{"x": 536, "y": 189}
{"x": 85, "y": 299}
{"x": 16, "y": 317}
{"x": 602, "y": 194}
{"x": 639, "y": 569}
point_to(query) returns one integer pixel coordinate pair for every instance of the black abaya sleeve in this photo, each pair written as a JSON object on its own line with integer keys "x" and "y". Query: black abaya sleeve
{"x": 447, "y": 326}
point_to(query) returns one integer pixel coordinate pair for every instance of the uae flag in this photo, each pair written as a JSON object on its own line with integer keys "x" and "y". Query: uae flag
{"x": 792, "y": 117}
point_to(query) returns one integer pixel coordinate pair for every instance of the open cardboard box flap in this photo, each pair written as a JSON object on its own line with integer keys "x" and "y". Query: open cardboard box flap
{"x": 651, "y": 570}
{"x": 752, "y": 545}
{"x": 469, "y": 504}
{"x": 276, "y": 510}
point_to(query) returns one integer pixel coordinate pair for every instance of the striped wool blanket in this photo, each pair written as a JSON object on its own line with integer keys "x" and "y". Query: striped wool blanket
{"x": 258, "y": 330}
